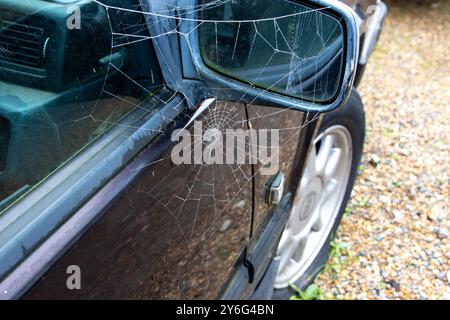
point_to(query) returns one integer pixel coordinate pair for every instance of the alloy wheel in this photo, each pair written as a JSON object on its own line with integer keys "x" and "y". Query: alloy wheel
{"x": 316, "y": 205}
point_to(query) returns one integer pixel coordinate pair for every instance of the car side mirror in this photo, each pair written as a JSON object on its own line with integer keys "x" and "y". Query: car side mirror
{"x": 295, "y": 54}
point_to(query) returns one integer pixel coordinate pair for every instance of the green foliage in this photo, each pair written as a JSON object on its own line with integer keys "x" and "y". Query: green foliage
{"x": 312, "y": 292}
{"x": 363, "y": 202}
{"x": 340, "y": 254}
{"x": 347, "y": 212}
{"x": 397, "y": 184}
{"x": 361, "y": 168}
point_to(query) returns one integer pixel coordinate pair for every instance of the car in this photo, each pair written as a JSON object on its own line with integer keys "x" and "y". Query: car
{"x": 177, "y": 149}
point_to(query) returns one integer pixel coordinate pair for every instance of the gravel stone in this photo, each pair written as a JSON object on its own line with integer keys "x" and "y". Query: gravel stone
{"x": 406, "y": 179}
{"x": 374, "y": 160}
{"x": 441, "y": 233}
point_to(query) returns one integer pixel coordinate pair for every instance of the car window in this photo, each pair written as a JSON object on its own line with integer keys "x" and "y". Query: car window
{"x": 68, "y": 73}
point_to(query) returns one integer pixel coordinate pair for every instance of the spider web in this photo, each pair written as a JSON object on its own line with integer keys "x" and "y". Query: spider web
{"x": 220, "y": 116}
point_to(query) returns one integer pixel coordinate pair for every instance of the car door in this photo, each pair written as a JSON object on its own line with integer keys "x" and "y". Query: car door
{"x": 157, "y": 226}
{"x": 175, "y": 232}
{"x": 296, "y": 131}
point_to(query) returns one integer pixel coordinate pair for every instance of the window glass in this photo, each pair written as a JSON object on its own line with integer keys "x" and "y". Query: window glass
{"x": 68, "y": 73}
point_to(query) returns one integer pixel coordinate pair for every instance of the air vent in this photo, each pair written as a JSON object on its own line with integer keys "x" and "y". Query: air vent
{"x": 21, "y": 44}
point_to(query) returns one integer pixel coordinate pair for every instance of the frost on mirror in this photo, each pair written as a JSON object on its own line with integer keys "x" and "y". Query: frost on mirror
{"x": 277, "y": 45}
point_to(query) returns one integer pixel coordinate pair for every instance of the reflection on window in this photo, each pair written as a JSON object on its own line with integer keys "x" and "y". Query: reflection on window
{"x": 279, "y": 45}
{"x": 64, "y": 82}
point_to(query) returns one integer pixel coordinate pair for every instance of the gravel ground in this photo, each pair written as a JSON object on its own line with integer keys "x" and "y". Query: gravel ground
{"x": 397, "y": 223}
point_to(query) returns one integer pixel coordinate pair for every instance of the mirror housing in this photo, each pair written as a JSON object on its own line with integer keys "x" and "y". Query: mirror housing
{"x": 229, "y": 86}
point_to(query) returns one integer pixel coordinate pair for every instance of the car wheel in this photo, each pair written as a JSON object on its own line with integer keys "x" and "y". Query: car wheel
{"x": 323, "y": 192}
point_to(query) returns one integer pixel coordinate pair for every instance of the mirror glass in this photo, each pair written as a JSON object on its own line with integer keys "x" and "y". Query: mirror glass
{"x": 276, "y": 45}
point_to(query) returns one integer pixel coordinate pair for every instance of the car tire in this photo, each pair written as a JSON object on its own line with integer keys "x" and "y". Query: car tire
{"x": 351, "y": 116}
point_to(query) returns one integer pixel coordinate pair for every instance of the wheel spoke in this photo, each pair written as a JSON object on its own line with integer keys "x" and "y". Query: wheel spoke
{"x": 286, "y": 256}
{"x": 297, "y": 256}
{"x": 310, "y": 168}
{"x": 318, "y": 222}
{"x": 324, "y": 153}
{"x": 333, "y": 163}
{"x": 290, "y": 251}
{"x": 295, "y": 223}
{"x": 330, "y": 188}
{"x": 284, "y": 241}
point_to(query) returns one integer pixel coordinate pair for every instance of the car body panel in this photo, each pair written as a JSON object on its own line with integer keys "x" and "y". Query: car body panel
{"x": 175, "y": 233}
{"x": 296, "y": 129}
{"x": 179, "y": 231}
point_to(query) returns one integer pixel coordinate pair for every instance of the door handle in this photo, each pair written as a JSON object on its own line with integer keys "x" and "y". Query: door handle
{"x": 274, "y": 188}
